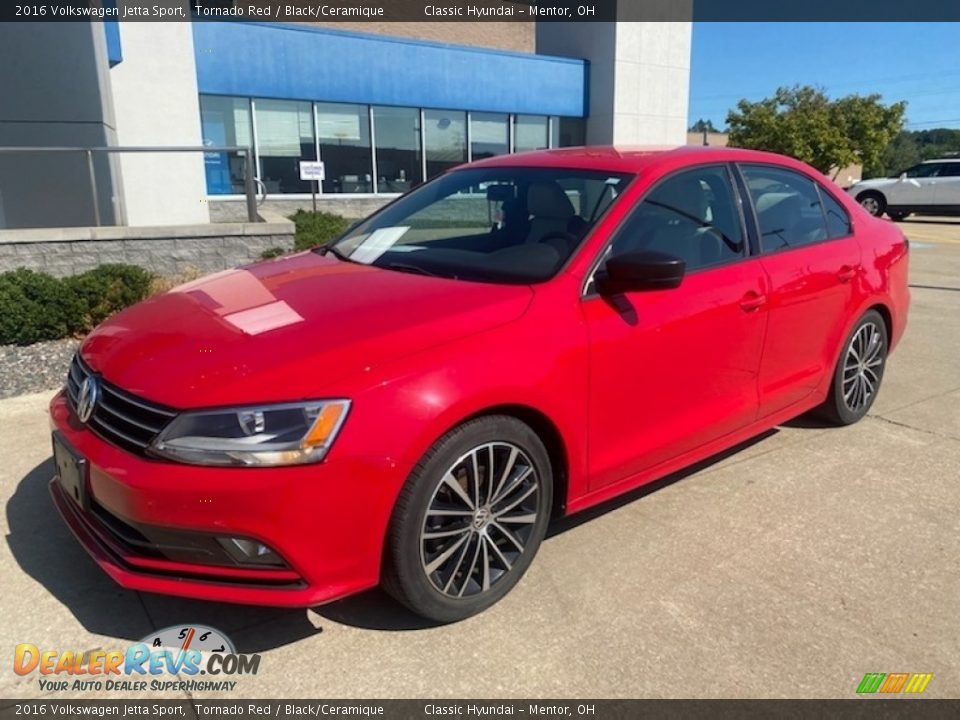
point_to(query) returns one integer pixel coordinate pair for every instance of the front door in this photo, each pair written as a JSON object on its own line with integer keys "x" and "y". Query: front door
{"x": 671, "y": 370}
{"x": 917, "y": 186}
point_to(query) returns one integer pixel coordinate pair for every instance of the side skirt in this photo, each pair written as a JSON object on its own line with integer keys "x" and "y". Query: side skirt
{"x": 608, "y": 492}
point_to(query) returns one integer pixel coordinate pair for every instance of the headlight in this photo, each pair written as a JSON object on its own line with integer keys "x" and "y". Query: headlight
{"x": 264, "y": 435}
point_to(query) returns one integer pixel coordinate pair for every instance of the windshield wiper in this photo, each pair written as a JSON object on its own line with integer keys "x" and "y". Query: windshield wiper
{"x": 403, "y": 267}
{"x": 332, "y": 250}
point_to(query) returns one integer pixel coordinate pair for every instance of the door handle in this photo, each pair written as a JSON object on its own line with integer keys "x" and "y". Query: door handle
{"x": 752, "y": 301}
{"x": 846, "y": 273}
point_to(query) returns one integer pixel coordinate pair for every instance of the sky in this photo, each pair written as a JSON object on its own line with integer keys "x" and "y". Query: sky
{"x": 916, "y": 62}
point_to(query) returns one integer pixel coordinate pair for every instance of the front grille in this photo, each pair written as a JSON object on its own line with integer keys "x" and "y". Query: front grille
{"x": 119, "y": 417}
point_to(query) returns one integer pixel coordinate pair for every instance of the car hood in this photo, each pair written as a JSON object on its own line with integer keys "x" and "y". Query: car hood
{"x": 287, "y": 329}
{"x": 873, "y": 183}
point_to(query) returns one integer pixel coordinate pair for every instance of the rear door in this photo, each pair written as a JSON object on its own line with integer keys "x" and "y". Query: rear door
{"x": 813, "y": 264}
{"x": 674, "y": 369}
{"x": 948, "y": 186}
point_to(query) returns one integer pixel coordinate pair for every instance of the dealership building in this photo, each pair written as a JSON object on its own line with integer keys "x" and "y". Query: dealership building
{"x": 383, "y": 106}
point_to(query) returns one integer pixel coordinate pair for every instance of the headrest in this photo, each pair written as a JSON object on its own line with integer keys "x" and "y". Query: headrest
{"x": 779, "y": 211}
{"x": 547, "y": 199}
{"x": 685, "y": 194}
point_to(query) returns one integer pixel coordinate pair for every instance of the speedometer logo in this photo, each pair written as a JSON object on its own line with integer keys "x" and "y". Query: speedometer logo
{"x": 191, "y": 637}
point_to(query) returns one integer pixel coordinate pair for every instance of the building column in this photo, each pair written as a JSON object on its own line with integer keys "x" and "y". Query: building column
{"x": 639, "y": 81}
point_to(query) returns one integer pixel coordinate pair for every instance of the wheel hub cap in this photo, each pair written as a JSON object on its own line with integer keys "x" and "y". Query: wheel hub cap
{"x": 480, "y": 519}
{"x": 862, "y": 367}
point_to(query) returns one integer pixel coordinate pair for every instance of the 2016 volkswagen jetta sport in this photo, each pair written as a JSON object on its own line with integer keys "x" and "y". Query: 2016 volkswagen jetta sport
{"x": 517, "y": 339}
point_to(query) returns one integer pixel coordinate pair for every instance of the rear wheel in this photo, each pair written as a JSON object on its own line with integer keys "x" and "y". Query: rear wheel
{"x": 897, "y": 216}
{"x": 873, "y": 202}
{"x": 469, "y": 520}
{"x": 859, "y": 371}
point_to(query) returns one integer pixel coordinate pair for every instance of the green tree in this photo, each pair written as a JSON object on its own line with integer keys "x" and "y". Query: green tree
{"x": 869, "y": 126}
{"x": 804, "y": 123}
{"x": 913, "y": 146}
{"x": 902, "y": 153}
{"x": 702, "y": 125}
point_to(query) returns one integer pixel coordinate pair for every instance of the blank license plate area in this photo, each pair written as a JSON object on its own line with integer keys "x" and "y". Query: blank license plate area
{"x": 71, "y": 472}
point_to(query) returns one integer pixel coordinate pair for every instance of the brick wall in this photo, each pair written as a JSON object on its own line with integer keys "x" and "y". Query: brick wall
{"x": 164, "y": 250}
{"x": 225, "y": 211}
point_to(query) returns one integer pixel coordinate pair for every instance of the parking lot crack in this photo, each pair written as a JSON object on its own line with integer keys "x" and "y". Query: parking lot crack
{"x": 942, "y": 436}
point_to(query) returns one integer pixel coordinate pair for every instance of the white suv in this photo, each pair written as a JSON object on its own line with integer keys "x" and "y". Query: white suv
{"x": 930, "y": 188}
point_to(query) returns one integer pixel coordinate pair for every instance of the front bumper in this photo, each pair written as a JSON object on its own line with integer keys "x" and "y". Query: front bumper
{"x": 326, "y": 521}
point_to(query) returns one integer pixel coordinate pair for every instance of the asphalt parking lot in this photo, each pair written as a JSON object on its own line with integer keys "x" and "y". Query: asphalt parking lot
{"x": 788, "y": 568}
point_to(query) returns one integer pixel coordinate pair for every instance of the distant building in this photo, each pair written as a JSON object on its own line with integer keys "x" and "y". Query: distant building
{"x": 384, "y": 106}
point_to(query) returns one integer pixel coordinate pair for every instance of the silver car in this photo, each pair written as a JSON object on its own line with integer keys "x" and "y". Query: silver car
{"x": 930, "y": 188}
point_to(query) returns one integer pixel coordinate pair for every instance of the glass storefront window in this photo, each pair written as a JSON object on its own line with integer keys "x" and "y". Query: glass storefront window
{"x": 529, "y": 133}
{"x": 489, "y": 135}
{"x": 445, "y": 138}
{"x": 572, "y": 131}
{"x": 397, "y": 138}
{"x": 284, "y": 138}
{"x": 225, "y": 121}
{"x": 284, "y": 132}
{"x": 344, "y": 134}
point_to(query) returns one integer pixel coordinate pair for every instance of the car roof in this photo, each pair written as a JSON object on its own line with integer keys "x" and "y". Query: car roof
{"x": 634, "y": 159}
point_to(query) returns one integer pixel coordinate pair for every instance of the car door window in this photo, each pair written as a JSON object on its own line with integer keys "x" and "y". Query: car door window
{"x": 838, "y": 221}
{"x": 690, "y": 215}
{"x": 787, "y": 205}
{"x": 950, "y": 170}
{"x": 926, "y": 170}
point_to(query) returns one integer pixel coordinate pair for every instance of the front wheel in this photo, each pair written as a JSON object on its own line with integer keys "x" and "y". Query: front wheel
{"x": 859, "y": 371}
{"x": 469, "y": 520}
{"x": 873, "y": 202}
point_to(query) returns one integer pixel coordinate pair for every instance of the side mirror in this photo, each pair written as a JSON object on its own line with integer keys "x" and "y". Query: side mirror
{"x": 634, "y": 271}
{"x": 903, "y": 176}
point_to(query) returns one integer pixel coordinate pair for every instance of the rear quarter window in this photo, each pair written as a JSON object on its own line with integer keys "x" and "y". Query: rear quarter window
{"x": 838, "y": 221}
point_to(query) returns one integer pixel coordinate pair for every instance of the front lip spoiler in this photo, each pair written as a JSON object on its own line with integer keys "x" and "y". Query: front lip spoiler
{"x": 181, "y": 584}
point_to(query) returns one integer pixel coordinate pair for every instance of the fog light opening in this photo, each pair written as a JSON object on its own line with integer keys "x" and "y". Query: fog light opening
{"x": 250, "y": 552}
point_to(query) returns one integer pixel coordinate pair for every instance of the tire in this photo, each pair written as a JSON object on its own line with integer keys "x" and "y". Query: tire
{"x": 873, "y": 202}
{"x": 448, "y": 556}
{"x": 898, "y": 216}
{"x": 856, "y": 382}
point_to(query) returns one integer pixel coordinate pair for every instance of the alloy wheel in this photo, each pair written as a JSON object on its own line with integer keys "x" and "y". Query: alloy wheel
{"x": 862, "y": 367}
{"x": 871, "y": 205}
{"x": 479, "y": 519}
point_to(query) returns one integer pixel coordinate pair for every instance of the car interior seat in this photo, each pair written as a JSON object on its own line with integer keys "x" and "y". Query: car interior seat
{"x": 780, "y": 214}
{"x": 550, "y": 210}
{"x": 682, "y": 223}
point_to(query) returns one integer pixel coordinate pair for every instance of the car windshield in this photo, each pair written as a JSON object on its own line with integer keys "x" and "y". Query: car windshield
{"x": 500, "y": 224}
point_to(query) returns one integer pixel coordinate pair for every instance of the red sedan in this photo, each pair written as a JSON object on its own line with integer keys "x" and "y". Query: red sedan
{"x": 518, "y": 339}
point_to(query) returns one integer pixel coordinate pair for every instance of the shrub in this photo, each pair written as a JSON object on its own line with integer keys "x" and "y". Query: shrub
{"x": 165, "y": 283}
{"x": 317, "y": 228}
{"x": 107, "y": 289}
{"x": 35, "y": 306}
{"x": 271, "y": 253}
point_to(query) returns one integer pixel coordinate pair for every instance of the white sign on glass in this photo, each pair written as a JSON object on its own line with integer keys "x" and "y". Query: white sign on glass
{"x": 312, "y": 170}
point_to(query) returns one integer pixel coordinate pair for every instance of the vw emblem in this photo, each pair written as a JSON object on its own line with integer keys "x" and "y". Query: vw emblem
{"x": 89, "y": 396}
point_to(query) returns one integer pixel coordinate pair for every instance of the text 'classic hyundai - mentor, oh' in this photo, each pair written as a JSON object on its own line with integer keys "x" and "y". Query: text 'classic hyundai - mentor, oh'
{"x": 515, "y": 340}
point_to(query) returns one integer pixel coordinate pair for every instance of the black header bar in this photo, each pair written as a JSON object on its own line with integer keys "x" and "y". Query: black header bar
{"x": 326, "y": 11}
